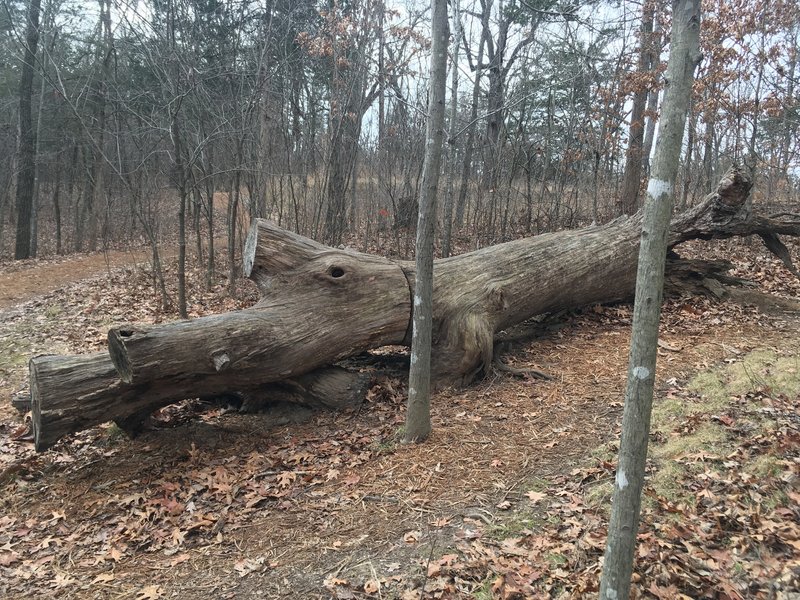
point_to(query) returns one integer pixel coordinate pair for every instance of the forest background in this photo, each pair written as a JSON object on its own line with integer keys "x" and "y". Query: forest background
{"x": 144, "y": 115}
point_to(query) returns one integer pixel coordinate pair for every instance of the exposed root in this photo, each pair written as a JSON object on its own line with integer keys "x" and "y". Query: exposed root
{"x": 532, "y": 373}
{"x": 499, "y": 365}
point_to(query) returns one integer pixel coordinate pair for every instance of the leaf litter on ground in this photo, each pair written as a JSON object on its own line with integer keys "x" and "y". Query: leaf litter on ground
{"x": 508, "y": 499}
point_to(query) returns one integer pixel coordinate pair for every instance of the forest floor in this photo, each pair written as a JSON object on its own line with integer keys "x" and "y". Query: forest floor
{"x": 508, "y": 498}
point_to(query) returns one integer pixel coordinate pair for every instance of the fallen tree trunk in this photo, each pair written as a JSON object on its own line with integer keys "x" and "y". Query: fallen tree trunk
{"x": 320, "y": 304}
{"x": 480, "y": 293}
{"x": 73, "y": 393}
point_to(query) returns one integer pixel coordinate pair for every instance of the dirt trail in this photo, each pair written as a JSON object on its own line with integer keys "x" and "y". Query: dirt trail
{"x": 37, "y": 277}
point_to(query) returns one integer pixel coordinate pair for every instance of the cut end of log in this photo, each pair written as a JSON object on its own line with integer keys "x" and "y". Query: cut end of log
{"x": 43, "y": 437}
{"x": 119, "y": 356}
{"x": 36, "y": 409}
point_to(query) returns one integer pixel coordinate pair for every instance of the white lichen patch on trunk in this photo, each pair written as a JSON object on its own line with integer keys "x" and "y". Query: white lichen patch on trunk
{"x": 656, "y": 188}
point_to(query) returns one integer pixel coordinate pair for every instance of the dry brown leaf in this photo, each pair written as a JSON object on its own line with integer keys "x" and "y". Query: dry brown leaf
{"x": 535, "y": 497}
{"x": 412, "y": 537}
{"x": 150, "y": 592}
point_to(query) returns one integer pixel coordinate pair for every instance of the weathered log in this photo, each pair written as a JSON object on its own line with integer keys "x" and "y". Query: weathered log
{"x": 320, "y": 304}
{"x": 475, "y": 295}
{"x": 73, "y": 393}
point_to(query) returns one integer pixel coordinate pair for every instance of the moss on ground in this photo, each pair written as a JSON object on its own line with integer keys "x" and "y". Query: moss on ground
{"x": 763, "y": 371}
{"x": 760, "y": 370}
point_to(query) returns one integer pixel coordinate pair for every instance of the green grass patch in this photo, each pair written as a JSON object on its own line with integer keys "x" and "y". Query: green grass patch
{"x": 536, "y": 484}
{"x": 484, "y": 591}
{"x": 760, "y": 370}
{"x": 599, "y": 496}
{"x": 53, "y": 311}
{"x": 712, "y": 388}
{"x": 708, "y": 437}
{"x": 766, "y": 465}
{"x": 556, "y": 559}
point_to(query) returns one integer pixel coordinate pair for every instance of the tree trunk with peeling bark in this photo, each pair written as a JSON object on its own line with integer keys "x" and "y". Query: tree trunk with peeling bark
{"x": 320, "y": 304}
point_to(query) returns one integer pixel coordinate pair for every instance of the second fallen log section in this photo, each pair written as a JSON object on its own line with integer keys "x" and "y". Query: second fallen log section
{"x": 72, "y": 393}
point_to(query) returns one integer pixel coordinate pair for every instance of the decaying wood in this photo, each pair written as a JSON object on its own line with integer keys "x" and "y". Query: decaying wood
{"x": 480, "y": 293}
{"x": 320, "y": 304}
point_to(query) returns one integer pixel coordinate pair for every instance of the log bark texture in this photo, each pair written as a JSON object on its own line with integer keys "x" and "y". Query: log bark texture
{"x": 320, "y": 304}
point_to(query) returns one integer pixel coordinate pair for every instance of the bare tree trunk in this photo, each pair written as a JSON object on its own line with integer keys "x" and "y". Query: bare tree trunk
{"x": 233, "y": 207}
{"x": 633, "y": 156}
{"x": 181, "y": 180}
{"x": 624, "y": 526}
{"x": 687, "y": 168}
{"x": 790, "y": 124}
{"x": 652, "y": 96}
{"x": 451, "y": 137}
{"x": 709, "y": 122}
{"x": 346, "y": 112}
{"x": 418, "y": 417}
{"x": 26, "y": 152}
{"x": 97, "y": 179}
{"x": 57, "y": 208}
{"x": 466, "y": 167}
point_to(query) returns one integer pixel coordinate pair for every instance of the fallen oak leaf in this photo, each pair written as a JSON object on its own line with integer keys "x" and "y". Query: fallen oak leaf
{"x": 179, "y": 558}
{"x": 23, "y": 432}
{"x": 63, "y": 580}
{"x": 535, "y": 497}
{"x": 332, "y": 581}
{"x": 115, "y": 554}
{"x": 726, "y": 420}
{"x": 150, "y": 592}
{"x": 351, "y": 479}
{"x": 372, "y": 586}
{"x": 286, "y": 478}
{"x": 248, "y": 565}
{"x": 666, "y": 346}
{"x": 412, "y": 537}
